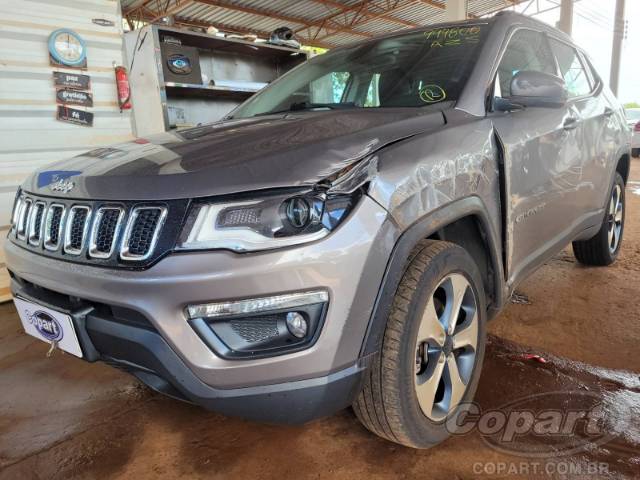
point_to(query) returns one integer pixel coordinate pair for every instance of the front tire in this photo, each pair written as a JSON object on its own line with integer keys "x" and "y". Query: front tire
{"x": 432, "y": 350}
{"x": 603, "y": 248}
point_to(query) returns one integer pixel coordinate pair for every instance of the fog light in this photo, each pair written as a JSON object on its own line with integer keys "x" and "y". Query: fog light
{"x": 261, "y": 327}
{"x": 296, "y": 324}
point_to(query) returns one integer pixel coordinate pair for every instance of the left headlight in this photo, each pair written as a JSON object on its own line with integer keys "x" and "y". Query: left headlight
{"x": 266, "y": 222}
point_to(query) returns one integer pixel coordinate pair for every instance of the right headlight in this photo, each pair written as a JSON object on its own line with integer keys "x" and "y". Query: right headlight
{"x": 266, "y": 222}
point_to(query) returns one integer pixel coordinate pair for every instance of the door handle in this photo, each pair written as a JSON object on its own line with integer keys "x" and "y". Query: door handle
{"x": 608, "y": 111}
{"x": 570, "y": 123}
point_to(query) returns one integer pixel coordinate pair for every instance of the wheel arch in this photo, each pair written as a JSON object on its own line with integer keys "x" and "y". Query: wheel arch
{"x": 454, "y": 222}
{"x": 623, "y": 166}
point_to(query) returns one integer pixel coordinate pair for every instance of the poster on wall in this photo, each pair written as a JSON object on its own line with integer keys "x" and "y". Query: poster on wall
{"x": 72, "y": 80}
{"x": 70, "y": 96}
{"x": 75, "y": 116}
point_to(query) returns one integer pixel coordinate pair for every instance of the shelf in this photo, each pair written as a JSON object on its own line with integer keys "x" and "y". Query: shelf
{"x": 234, "y": 45}
{"x": 192, "y": 89}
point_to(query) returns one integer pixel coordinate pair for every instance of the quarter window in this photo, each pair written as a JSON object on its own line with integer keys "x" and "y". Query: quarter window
{"x": 527, "y": 51}
{"x": 329, "y": 88}
{"x": 571, "y": 69}
{"x": 373, "y": 96}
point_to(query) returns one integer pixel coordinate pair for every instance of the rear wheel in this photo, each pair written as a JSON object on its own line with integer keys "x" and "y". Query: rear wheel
{"x": 432, "y": 349}
{"x": 635, "y": 152}
{"x": 603, "y": 248}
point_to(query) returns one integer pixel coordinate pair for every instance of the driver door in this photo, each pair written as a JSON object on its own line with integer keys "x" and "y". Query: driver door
{"x": 541, "y": 152}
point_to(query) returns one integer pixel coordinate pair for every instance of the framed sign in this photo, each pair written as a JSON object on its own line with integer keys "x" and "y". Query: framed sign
{"x": 72, "y": 80}
{"x": 69, "y": 96}
{"x": 75, "y": 116}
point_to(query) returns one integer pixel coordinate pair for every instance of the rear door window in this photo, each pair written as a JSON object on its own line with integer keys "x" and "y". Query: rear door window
{"x": 571, "y": 69}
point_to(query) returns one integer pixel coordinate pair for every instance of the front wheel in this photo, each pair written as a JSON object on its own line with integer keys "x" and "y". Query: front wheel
{"x": 432, "y": 349}
{"x": 603, "y": 248}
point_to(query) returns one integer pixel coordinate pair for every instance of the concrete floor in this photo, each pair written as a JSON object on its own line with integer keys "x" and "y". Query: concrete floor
{"x": 63, "y": 418}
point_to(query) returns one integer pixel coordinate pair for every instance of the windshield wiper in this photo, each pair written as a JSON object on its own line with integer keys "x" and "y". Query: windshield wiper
{"x": 301, "y": 106}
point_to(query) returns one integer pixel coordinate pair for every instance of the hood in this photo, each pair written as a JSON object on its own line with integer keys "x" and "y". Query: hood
{"x": 290, "y": 150}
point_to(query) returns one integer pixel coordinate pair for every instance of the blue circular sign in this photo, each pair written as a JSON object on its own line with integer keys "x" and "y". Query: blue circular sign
{"x": 179, "y": 64}
{"x": 67, "y": 47}
{"x": 47, "y": 326}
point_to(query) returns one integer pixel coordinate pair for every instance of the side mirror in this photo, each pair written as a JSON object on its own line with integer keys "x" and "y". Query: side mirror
{"x": 537, "y": 89}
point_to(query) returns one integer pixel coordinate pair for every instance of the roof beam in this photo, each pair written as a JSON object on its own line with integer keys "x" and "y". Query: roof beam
{"x": 187, "y": 22}
{"x": 442, "y": 6}
{"x": 345, "y": 8}
{"x": 368, "y": 14}
{"x": 130, "y": 10}
{"x": 179, "y": 5}
{"x": 332, "y": 27}
{"x": 313, "y": 32}
{"x": 337, "y": 28}
{"x": 433, "y": 3}
{"x": 362, "y": 14}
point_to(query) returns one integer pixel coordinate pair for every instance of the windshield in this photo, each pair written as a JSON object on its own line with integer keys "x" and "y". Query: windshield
{"x": 412, "y": 70}
{"x": 633, "y": 113}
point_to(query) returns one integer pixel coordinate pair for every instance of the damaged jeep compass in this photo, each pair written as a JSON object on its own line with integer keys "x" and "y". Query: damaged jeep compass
{"x": 342, "y": 237}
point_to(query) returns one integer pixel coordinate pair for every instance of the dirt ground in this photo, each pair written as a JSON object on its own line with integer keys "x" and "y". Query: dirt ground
{"x": 63, "y": 418}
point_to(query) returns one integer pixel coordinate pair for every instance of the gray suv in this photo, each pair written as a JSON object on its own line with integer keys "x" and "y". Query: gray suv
{"x": 342, "y": 237}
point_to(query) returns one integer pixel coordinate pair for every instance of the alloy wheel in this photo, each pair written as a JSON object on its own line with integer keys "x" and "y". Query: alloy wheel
{"x": 446, "y": 347}
{"x": 615, "y": 218}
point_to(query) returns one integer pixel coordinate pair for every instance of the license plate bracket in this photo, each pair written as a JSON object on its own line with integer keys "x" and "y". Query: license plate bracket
{"x": 49, "y": 325}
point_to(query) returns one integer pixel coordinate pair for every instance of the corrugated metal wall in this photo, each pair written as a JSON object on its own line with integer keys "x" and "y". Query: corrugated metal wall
{"x": 30, "y": 135}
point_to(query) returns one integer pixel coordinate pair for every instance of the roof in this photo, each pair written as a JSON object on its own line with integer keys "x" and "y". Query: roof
{"x": 321, "y": 23}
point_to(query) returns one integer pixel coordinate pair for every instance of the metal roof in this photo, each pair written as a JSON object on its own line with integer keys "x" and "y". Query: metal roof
{"x": 322, "y": 23}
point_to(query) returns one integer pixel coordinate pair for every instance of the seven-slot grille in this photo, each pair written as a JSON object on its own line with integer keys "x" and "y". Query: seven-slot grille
{"x": 95, "y": 232}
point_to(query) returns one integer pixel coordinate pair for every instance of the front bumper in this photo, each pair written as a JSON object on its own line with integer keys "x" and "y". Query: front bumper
{"x": 126, "y": 342}
{"x": 349, "y": 263}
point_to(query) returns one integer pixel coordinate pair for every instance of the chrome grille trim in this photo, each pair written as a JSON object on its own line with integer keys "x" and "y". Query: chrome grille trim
{"x": 73, "y": 211}
{"x": 93, "y": 247}
{"x": 125, "y": 254}
{"x": 23, "y": 219}
{"x": 127, "y": 234}
{"x": 48, "y": 227}
{"x": 15, "y": 215}
{"x": 35, "y": 230}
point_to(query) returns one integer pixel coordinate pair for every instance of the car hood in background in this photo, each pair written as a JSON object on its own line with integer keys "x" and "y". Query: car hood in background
{"x": 287, "y": 150}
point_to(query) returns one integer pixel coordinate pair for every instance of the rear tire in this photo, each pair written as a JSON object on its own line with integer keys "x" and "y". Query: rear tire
{"x": 603, "y": 248}
{"x": 428, "y": 365}
{"x": 635, "y": 152}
